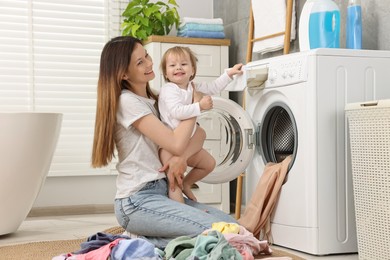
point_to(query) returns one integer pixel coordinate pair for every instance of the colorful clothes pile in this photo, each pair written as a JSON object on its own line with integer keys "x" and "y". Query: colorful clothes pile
{"x": 201, "y": 28}
{"x": 102, "y": 246}
{"x": 222, "y": 241}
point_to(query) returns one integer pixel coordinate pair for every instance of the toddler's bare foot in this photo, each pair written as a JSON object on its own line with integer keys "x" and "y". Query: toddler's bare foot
{"x": 176, "y": 195}
{"x": 188, "y": 192}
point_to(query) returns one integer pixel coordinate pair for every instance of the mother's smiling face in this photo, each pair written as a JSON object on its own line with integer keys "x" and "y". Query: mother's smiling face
{"x": 140, "y": 70}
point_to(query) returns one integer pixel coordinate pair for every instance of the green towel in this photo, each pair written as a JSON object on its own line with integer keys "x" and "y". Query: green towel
{"x": 214, "y": 246}
{"x": 180, "y": 248}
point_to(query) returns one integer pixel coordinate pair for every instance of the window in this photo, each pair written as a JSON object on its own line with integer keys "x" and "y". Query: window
{"x": 49, "y": 62}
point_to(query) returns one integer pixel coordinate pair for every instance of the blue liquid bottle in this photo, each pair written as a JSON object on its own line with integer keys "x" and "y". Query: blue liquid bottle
{"x": 324, "y": 29}
{"x": 354, "y": 25}
{"x": 319, "y": 25}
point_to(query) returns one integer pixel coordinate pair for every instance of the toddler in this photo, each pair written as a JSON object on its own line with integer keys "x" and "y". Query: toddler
{"x": 179, "y": 100}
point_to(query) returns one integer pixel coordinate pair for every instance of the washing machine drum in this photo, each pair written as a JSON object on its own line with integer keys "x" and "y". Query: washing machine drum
{"x": 277, "y": 135}
{"x": 232, "y": 139}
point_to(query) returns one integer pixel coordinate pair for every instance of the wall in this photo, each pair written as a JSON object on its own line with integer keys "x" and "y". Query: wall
{"x": 376, "y": 25}
{"x": 198, "y": 8}
{"x": 187, "y": 8}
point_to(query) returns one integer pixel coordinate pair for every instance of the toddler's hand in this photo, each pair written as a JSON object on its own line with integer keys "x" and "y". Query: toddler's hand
{"x": 206, "y": 103}
{"x": 197, "y": 96}
{"x": 235, "y": 70}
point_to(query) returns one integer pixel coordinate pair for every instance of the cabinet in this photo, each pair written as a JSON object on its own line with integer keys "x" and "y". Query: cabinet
{"x": 213, "y": 59}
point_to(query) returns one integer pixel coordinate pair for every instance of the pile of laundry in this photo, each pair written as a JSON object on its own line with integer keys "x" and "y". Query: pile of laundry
{"x": 201, "y": 28}
{"x": 222, "y": 241}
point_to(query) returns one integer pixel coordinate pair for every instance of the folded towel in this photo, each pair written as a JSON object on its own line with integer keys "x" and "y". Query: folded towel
{"x": 186, "y": 20}
{"x": 201, "y": 34}
{"x": 202, "y": 27}
{"x": 270, "y": 18}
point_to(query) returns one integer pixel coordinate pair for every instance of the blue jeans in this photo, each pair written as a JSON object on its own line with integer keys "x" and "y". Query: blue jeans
{"x": 151, "y": 214}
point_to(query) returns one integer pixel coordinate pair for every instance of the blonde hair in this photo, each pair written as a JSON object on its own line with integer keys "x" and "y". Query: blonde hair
{"x": 178, "y": 51}
{"x": 114, "y": 63}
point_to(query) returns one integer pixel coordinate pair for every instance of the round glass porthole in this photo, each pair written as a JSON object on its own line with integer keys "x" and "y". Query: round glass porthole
{"x": 229, "y": 131}
{"x": 277, "y": 134}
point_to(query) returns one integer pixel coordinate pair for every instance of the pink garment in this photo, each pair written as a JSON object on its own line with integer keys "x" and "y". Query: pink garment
{"x": 101, "y": 253}
{"x": 247, "y": 244}
{"x": 67, "y": 256}
{"x": 257, "y": 215}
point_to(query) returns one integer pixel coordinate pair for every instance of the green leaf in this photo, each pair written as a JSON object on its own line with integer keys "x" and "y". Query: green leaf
{"x": 144, "y": 21}
{"x": 143, "y": 18}
{"x": 147, "y": 12}
{"x": 162, "y": 4}
{"x": 137, "y": 20}
{"x": 151, "y": 10}
{"x": 158, "y": 16}
{"x": 159, "y": 29}
{"x": 126, "y": 28}
{"x": 132, "y": 12}
{"x": 134, "y": 29}
{"x": 149, "y": 31}
{"x": 176, "y": 14}
{"x": 144, "y": 2}
{"x": 131, "y": 5}
{"x": 142, "y": 35}
{"x": 172, "y": 2}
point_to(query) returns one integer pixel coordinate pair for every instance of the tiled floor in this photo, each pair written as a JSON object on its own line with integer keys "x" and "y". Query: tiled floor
{"x": 79, "y": 226}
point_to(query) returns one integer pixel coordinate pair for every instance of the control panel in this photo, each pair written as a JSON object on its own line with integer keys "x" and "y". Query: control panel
{"x": 283, "y": 71}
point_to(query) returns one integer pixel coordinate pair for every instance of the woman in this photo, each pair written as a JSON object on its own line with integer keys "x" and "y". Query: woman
{"x": 127, "y": 119}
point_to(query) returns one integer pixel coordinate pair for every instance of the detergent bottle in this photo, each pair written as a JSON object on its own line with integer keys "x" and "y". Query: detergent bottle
{"x": 354, "y": 25}
{"x": 319, "y": 25}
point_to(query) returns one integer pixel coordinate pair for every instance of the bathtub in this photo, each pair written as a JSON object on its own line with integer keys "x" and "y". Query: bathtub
{"x": 27, "y": 144}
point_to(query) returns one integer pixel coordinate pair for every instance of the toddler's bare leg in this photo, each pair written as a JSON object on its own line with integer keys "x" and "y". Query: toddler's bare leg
{"x": 203, "y": 163}
{"x": 177, "y": 194}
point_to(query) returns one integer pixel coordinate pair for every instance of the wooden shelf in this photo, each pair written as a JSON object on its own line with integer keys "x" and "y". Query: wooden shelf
{"x": 185, "y": 40}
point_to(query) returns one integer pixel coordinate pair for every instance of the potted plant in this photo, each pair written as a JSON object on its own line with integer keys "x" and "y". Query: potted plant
{"x": 142, "y": 19}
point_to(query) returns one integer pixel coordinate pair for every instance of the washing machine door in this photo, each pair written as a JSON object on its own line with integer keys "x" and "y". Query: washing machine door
{"x": 229, "y": 140}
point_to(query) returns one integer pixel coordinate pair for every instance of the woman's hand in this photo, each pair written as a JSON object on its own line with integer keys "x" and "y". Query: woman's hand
{"x": 196, "y": 96}
{"x": 175, "y": 168}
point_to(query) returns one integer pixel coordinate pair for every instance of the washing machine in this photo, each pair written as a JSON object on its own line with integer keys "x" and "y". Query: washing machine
{"x": 294, "y": 105}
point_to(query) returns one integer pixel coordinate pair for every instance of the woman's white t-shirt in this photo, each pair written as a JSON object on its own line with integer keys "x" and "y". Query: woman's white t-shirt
{"x": 137, "y": 155}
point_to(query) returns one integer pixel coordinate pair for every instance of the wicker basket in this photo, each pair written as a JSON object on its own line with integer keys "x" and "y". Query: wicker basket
{"x": 369, "y": 128}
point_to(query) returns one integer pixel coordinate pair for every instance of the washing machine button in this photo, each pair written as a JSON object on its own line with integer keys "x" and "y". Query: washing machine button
{"x": 272, "y": 75}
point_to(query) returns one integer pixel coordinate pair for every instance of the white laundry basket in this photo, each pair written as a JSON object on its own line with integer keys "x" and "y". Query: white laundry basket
{"x": 369, "y": 128}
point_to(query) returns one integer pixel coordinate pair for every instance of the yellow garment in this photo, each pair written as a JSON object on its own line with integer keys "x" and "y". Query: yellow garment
{"x": 226, "y": 228}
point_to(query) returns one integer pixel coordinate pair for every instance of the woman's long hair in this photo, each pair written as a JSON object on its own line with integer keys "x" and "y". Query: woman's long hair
{"x": 114, "y": 63}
